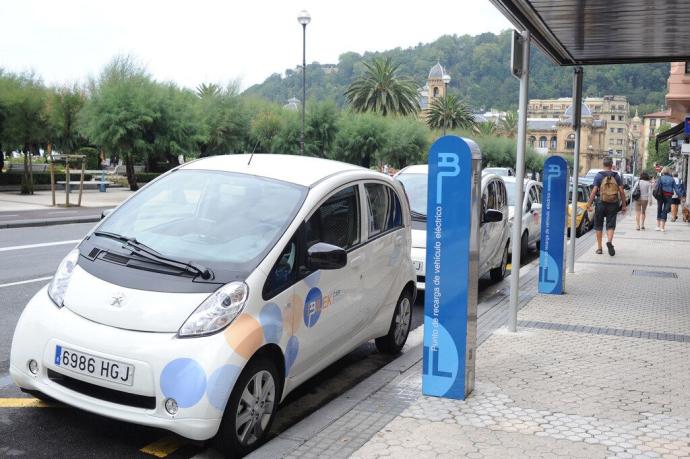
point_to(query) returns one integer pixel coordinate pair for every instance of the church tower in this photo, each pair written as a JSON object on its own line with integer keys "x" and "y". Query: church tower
{"x": 437, "y": 87}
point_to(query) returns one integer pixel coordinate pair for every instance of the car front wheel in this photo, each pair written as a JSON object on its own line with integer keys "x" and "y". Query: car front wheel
{"x": 497, "y": 274}
{"x": 393, "y": 342}
{"x": 250, "y": 410}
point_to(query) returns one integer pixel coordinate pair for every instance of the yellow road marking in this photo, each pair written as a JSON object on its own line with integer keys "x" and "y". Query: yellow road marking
{"x": 164, "y": 446}
{"x": 24, "y": 402}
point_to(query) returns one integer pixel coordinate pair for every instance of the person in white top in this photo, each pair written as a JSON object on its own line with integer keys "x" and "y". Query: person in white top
{"x": 641, "y": 202}
{"x": 675, "y": 200}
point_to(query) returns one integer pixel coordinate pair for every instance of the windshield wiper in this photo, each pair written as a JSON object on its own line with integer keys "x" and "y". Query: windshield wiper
{"x": 145, "y": 251}
{"x": 417, "y": 215}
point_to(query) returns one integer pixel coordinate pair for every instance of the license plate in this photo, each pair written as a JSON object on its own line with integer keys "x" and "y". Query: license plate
{"x": 419, "y": 266}
{"x": 96, "y": 367}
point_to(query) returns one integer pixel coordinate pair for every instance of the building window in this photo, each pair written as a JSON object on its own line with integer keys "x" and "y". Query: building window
{"x": 619, "y": 141}
{"x": 554, "y": 143}
{"x": 435, "y": 91}
{"x": 612, "y": 130}
{"x": 542, "y": 142}
{"x": 570, "y": 142}
{"x": 620, "y": 152}
{"x": 620, "y": 117}
{"x": 652, "y": 123}
{"x": 613, "y": 117}
{"x": 620, "y": 130}
{"x": 531, "y": 141}
{"x": 610, "y": 141}
{"x": 687, "y": 68}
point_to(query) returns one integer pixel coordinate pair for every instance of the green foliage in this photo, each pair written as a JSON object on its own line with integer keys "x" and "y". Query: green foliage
{"x": 486, "y": 129}
{"x": 224, "y": 123}
{"x": 508, "y": 126}
{"x": 407, "y": 143}
{"x": 382, "y": 90}
{"x": 657, "y": 157}
{"x": 480, "y": 72}
{"x": 449, "y": 112}
{"x": 360, "y": 138}
{"x": 287, "y": 139}
{"x": 321, "y": 126}
{"x": 64, "y": 105}
{"x": 502, "y": 152}
{"x": 41, "y": 178}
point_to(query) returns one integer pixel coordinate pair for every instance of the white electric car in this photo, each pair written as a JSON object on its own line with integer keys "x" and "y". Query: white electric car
{"x": 531, "y": 213}
{"x": 493, "y": 235}
{"x": 213, "y": 292}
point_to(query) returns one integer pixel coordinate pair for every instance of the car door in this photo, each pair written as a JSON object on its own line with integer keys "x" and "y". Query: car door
{"x": 534, "y": 213}
{"x": 326, "y": 299}
{"x": 385, "y": 246}
{"x": 485, "y": 236}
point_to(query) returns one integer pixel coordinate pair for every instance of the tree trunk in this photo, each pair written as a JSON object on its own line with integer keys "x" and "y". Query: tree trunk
{"x": 131, "y": 177}
{"x": 27, "y": 182}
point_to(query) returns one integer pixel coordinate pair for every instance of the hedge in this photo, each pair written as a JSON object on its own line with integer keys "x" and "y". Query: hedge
{"x": 40, "y": 178}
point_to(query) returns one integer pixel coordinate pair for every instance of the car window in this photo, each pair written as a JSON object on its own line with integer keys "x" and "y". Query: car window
{"x": 336, "y": 221}
{"x": 491, "y": 195}
{"x": 283, "y": 274}
{"x": 385, "y": 212}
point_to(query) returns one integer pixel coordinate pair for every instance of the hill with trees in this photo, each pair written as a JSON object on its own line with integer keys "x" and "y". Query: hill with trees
{"x": 479, "y": 67}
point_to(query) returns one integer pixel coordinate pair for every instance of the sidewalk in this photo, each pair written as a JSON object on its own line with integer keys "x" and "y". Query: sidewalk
{"x": 599, "y": 372}
{"x": 17, "y": 210}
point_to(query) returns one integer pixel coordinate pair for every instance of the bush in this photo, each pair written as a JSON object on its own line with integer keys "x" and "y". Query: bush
{"x": 40, "y": 178}
{"x": 145, "y": 177}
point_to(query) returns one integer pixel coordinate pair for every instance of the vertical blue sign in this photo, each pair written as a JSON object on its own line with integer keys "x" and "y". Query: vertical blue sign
{"x": 447, "y": 267}
{"x": 554, "y": 201}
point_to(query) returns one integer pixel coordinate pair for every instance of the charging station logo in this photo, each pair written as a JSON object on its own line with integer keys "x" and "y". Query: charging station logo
{"x": 313, "y": 305}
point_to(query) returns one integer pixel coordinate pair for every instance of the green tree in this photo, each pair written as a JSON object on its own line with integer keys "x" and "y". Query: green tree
{"x": 449, "y": 112}
{"x": 485, "y": 129}
{"x": 360, "y": 138}
{"x": 120, "y": 112}
{"x": 407, "y": 143}
{"x": 287, "y": 139}
{"x": 657, "y": 157}
{"x": 225, "y": 123}
{"x": 508, "y": 125}
{"x": 382, "y": 91}
{"x": 265, "y": 126}
{"x": 26, "y": 125}
{"x": 64, "y": 106}
{"x": 208, "y": 90}
{"x": 320, "y": 128}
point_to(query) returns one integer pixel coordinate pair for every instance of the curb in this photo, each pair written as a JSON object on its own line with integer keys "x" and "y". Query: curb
{"x": 49, "y": 221}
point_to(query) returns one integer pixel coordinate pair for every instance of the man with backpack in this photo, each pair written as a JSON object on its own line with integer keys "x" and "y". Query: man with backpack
{"x": 608, "y": 187}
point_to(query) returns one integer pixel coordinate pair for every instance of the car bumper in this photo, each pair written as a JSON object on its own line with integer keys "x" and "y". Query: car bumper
{"x": 42, "y": 326}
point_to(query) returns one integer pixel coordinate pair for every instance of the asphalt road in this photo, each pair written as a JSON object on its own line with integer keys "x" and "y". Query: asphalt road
{"x": 28, "y": 257}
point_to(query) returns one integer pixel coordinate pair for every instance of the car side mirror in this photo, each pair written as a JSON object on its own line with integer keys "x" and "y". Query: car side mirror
{"x": 535, "y": 206}
{"x": 106, "y": 212}
{"x": 492, "y": 216}
{"x": 325, "y": 256}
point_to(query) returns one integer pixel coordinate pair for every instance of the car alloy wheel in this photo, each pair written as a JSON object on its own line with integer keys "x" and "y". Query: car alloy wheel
{"x": 255, "y": 408}
{"x": 402, "y": 321}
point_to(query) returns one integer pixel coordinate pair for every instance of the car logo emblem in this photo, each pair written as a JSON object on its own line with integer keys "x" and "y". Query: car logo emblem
{"x": 118, "y": 300}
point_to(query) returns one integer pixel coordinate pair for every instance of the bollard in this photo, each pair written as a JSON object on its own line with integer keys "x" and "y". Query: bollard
{"x": 101, "y": 186}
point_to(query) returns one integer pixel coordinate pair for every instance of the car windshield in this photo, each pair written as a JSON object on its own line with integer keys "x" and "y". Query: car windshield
{"x": 416, "y": 190}
{"x": 219, "y": 218}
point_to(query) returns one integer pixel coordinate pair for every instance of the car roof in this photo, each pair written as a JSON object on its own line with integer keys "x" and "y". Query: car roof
{"x": 424, "y": 169}
{"x": 512, "y": 179}
{"x": 301, "y": 170}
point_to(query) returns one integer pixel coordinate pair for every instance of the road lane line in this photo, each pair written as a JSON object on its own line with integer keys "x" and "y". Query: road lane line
{"x": 35, "y": 246}
{"x": 164, "y": 447}
{"x": 39, "y": 279}
{"x": 24, "y": 402}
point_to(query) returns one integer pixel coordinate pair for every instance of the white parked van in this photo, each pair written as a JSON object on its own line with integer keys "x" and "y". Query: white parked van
{"x": 209, "y": 295}
{"x": 494, "y": 235}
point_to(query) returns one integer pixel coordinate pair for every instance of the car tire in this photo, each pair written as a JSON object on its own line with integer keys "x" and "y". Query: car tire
{"x": 497, "y": 274}
{"x": 524, "y": 246}
{"x": 254, "y": 414}
{"x": 393, "y": 342}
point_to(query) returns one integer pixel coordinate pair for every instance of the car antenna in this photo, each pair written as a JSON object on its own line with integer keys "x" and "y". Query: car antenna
{"x": 250, "y": 158}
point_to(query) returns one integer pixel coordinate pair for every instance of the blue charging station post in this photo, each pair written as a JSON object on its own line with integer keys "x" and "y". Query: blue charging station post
{"x": 554, "y": 202}
{"x": 452, "y": 255}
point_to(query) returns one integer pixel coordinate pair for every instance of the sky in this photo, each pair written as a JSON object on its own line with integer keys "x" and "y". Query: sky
{"x": 190, "y": 42}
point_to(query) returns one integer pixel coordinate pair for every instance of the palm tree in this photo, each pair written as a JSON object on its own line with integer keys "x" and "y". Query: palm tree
{"x": 509, "y": 125}
{"x": 449, "y": 112}
{"x": 381, "y": 90}
{"x": 208, "y": 90}
{"x": 486, "y": 129}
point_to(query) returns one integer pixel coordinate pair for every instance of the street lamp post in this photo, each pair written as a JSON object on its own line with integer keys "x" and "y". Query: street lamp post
{"x": 303, "y": 18}
{"x": 446, "y": 80}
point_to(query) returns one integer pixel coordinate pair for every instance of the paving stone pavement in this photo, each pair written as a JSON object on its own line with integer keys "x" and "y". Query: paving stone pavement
{"x": 602, "y": 371}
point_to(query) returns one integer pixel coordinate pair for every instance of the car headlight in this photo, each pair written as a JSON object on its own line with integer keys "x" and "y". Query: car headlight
{"x": 580, "y": 211}
{"x": 58, "y": 286}
{"x": 217, "y": 311}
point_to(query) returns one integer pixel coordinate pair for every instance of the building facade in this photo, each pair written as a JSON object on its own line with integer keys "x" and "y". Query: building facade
{"x": 434, "y": 88}
{"x": 606, "y": 129}
{"x": 678, "y": 96}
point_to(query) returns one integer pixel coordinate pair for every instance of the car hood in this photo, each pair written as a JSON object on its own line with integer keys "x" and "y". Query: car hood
{"x": 141, "y": 310}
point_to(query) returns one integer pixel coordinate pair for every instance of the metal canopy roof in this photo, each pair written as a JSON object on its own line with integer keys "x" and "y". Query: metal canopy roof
{"x": 588, "y": 32}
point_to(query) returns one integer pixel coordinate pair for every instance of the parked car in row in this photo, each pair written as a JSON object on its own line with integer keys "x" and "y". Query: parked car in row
{"x": 531, "y": 213}
{"x": 585, "y": 217}
{"x": 493, "y": 235}
{"x": 217, "y": 289}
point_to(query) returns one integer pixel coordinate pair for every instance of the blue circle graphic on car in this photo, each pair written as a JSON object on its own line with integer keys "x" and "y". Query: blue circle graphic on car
{"x": 313, "y": 305}
{"x": 220, "y": 384}
{"x": 185, "y": 381}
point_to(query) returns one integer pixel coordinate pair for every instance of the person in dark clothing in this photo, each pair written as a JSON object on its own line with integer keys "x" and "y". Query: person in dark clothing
{"x": 610, "y": 195}
{"x": 667, "y": 187}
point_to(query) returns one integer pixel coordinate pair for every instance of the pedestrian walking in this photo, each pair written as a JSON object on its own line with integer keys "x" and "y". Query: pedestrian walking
{"x": 663, "y": 193}
{"x": 675, "y": 199}
{"x": 642, "y": 195}
{"x": 610, "y": 195}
